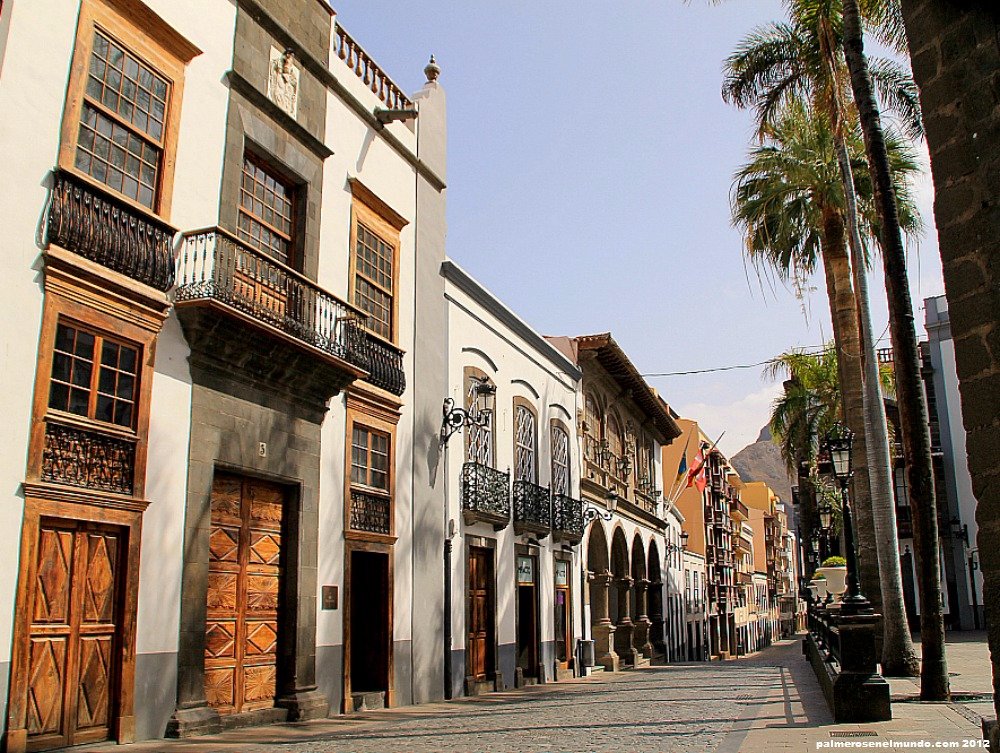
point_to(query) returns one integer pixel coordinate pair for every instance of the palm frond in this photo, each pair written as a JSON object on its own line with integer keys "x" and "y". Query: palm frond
{"x": 897, "y": 93}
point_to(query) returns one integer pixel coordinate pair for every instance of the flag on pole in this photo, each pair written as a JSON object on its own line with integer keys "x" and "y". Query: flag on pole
{"x": 696, "y": 476}
{"x": 682, "y": 468}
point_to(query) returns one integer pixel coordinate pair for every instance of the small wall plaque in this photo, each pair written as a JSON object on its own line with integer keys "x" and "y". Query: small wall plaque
{"x": 331, "y": 597}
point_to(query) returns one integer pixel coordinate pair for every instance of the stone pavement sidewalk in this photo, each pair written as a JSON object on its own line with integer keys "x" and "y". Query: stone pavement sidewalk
{"x": 768, "y": 702}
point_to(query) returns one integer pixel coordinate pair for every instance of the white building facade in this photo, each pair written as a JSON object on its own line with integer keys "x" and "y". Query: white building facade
{"x": 511, "y": 467}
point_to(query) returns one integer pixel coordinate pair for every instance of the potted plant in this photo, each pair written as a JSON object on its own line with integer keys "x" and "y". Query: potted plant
{"x": 818, "y": 586}
{"x": 834, "y": 570}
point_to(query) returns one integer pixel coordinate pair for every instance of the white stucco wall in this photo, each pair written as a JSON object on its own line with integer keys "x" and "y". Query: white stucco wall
{"x": 33, "y": 86}
{"x": 361, "y": 152}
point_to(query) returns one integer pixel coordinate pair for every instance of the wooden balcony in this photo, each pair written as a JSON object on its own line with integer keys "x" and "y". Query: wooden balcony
{"x": 249, "y": 313}
{"x": 485, "y": 496}
{"x": 567, "y": 519}
{"x": 532, "y": 509}
{"x": 92, "y": 222}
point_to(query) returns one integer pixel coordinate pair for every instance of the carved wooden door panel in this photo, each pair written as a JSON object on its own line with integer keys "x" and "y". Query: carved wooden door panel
{"x": 74, "y": 637}
{"x": 243, "y": 582}
{"x": 480, "y": 620}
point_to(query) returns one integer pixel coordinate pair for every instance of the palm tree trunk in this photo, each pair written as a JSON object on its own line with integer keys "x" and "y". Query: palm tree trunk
{"x": 898, "y": 657}
{"x": 934, "y": 684}
{"x": 843, "y": 315}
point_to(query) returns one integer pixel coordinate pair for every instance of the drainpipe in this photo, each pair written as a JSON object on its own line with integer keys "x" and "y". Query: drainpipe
{"x": 447, "y": 616}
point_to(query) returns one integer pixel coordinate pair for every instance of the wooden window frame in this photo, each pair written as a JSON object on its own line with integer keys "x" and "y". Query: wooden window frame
{"x": 365, "y": 412}
{"x": 379, "y": 218}
{"x": 520, "y": 402}
{"x": 59, "y": 308}
{"x": 295, "y": 193}
{"x": 100, "y": 337}
{"x": 146, "y": 36}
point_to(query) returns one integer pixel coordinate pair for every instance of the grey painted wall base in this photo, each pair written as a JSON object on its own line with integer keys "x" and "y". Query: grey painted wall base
{"x": 4, "y": 680}
{"x": 457, "y": 672}
{"x": 548, "y": 659}
{"x": 155, "y": 693}
{"x": 330, "y": 675}
{"x": 403, "y": 672}
{"x": 507, "y": 663}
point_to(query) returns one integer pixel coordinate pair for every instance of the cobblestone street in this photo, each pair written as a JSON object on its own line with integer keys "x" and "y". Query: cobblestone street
{"x": 767, "y": 702}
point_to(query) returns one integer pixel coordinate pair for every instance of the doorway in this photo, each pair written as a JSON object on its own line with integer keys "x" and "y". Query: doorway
{"x": 527, "y": 616}
{"x": 563, "y": 615}
{"x": 481, "y": 617}
{"x": 244, "y": 581}
{"x": 74, "y": 667}
{"x": 369, "y": 627}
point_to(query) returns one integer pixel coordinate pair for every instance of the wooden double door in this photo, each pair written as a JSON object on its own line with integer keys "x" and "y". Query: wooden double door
{"x": 74, "y": 642}
{"x": 244, "y": 583}
{"x": 481, "y": 616}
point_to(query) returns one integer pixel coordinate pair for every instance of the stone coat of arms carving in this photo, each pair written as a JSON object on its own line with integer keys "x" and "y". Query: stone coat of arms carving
{"x": 283, "y": 81}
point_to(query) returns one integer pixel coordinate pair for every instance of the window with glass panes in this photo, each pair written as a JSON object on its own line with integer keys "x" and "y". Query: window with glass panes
{"x": 370, "y": 458}
{"x": 560, "y": 460}
{"x": 373, "y": 280}
{"x": 122, "y": 121}
{"x": 266, "y": 212}
{"x": 524, "y": 444}
{"x": 94, "y": 376}
{"x": 478, "y": 439}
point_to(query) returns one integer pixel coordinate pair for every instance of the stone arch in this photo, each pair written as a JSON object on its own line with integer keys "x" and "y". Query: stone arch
{"x": 597, "y": 549}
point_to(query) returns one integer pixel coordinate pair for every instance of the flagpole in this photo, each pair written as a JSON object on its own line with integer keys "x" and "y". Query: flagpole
{"x": 674, "y": 492}
{"x": 695, "y": 471}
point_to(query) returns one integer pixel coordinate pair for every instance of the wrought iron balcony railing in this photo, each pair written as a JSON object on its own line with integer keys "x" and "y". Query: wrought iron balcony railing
{"x": 532, "y": 508}
{"x": 215, "y": 265}
{"x": 567, "y": 518}
{"x": 91, "y": 222}
{"x": 385, "y": 365}
{"x": 371, "y": 512}
{"x": 485, "y": 495}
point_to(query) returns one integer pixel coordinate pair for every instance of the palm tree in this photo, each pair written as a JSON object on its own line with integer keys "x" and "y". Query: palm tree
{"x": 934, "y": 684}
{"x": 789, "y": 200}
{"x": 774, "y": 65}
{"x": 807, "y": 408}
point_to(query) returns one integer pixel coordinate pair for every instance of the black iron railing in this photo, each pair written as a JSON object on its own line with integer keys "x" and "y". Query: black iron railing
{"x": 385, "y": 365}
{"x": 567, "y": 517}
{"x": 532, "y": 508}
{"x": 213, "y": 264}
{"x": 94, "y": 224}
{"x": 78, "y": 457}
{"x": 371, "y": 512}
{"x": 823, "y": 626}
{"x": 485, "y": 495}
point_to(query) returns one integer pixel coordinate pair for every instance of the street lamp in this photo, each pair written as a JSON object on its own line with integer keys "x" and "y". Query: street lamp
{"x": 591, "y": 513}
{"x": 479, "y": 414}
{"x": 838, "y": 444}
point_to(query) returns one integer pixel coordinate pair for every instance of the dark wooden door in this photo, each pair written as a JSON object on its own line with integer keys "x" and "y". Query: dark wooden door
{"x": 244, "y": 575}
{"x": 75, "y": 645}
{"x": 481, "y": 640}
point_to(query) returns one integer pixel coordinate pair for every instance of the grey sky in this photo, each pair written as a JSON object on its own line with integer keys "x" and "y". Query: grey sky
{"x": 590, "y": 160}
